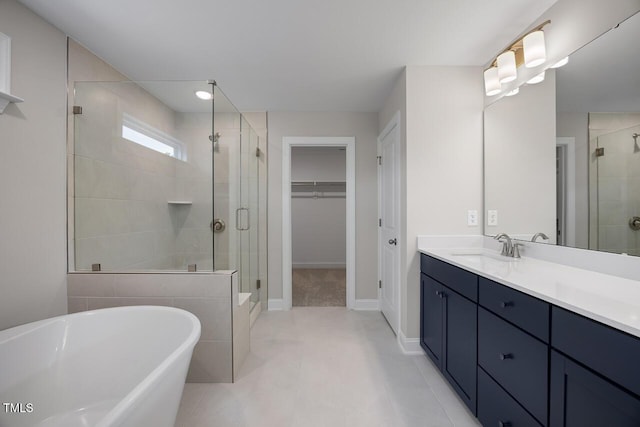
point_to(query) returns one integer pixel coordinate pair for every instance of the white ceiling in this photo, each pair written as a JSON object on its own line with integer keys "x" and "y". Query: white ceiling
{"x": 291, "y": 55}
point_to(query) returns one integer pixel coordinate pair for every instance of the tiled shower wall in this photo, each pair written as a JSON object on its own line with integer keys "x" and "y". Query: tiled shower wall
{"x": 212, "y": 297}
{"x": 122, "y": 216}
{"x": 615, "y": 177}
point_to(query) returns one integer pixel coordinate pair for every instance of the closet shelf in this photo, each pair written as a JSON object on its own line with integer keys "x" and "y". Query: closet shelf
{"x": 318, "y": 189}
{"x": 306, "y": 186}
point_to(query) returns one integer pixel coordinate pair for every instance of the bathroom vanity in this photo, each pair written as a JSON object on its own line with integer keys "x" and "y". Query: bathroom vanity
{"x": 529, "y": 342}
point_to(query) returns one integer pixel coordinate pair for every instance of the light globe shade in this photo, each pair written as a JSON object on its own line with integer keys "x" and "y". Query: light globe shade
{"x": 535, "y": 52}
{"x": 204, "y": 95}
{"x": 513, "y": 92}
{"x": 562, "y": 62}
{"x": 537, "y": 79}
{"x": 507, "y": 67}
{"x": 491, "y": 82}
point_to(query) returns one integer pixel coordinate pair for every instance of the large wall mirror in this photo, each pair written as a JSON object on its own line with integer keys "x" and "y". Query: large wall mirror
{"x": 562, "y": 157}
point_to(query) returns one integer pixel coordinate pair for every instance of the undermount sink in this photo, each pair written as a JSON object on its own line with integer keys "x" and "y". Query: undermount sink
{"x": 479, "y": 255}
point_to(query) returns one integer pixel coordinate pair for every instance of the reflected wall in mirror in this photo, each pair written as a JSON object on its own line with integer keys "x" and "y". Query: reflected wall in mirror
{"x": 561, "y": 156}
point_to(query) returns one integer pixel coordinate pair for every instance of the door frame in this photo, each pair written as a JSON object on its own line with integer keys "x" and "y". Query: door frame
{"x": 288, "y": 142}
{"x": 392, "y": 126}
{"x": 568, "y": 145}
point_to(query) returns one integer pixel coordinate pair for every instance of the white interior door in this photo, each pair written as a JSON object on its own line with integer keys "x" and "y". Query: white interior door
{"x": 389, "y": 222}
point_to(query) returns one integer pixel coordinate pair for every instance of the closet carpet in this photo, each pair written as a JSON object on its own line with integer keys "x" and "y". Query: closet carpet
{"x": 319, "y": 287}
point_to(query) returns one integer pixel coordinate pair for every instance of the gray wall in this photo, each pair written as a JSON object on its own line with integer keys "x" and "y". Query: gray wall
{"x": 318, "y": 225}
{"x": 441, "y": 164}
{"x": 364, "y": 126}
{"x": 32, "y": 172}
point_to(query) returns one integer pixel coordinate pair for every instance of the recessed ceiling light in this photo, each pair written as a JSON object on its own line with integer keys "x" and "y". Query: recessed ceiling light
{"x": 204, "y": 95}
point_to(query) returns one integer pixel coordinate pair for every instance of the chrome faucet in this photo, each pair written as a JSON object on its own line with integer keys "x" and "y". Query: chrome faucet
{"x": 535, "y": 236}
{"x": 507, "y": 245}
{"x": 509, "y": 248}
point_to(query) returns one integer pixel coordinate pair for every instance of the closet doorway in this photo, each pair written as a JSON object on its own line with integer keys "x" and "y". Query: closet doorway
{"x": 318, "y": 226}
{"x": 318, "y": 221}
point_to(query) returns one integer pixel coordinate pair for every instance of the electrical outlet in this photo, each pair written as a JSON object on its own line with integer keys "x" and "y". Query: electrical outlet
{"x": 472, "y": 218}
{"x": 492, "y": 217}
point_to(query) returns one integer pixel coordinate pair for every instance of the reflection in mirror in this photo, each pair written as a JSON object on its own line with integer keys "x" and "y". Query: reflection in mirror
{"x": 519, "y": 162}
{"x": 589, "y": 164}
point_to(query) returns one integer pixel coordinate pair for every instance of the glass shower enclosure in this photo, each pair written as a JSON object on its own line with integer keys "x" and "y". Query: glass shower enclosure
{"x": 165, "y": 177}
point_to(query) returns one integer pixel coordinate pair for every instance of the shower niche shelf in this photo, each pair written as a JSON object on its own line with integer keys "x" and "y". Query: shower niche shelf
{"x": 179, "y": 202}
{"x": 5, "y": 73}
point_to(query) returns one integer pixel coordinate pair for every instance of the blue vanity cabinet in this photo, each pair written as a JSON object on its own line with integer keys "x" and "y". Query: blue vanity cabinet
{"x": 595, "y": 373}
{"x": 431, "y": 318}
{"x": 513, "y": 352}
{"x": 518, "y": 361}
{"x": 448, "y": 324}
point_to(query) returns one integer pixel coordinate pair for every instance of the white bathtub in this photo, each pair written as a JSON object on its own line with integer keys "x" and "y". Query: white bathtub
{"x": 122, "y": 366}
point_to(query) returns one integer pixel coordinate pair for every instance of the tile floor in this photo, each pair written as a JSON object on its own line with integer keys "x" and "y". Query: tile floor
{"x": 326, "y": 366}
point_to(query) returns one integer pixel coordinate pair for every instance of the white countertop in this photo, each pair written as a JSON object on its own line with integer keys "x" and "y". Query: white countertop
{"x": 612, "y": 300}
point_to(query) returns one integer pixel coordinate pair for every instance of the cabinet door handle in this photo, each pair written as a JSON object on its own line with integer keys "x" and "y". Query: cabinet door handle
{"x": 505, "y": 304}
{"x": 393, "y": 241}
{"x": 504, "y": 424}
{"x": 505, "y": 356}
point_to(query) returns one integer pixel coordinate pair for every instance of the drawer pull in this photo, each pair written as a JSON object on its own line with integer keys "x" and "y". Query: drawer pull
{"x": 505, "y": 356}
{"x": 441, "y": 294}
{"x": 506, "y": 304}
{"x": 504, "y": 424}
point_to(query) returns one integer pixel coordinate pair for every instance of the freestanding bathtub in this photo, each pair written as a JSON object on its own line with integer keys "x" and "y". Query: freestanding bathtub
{"x": 122, "y": 366}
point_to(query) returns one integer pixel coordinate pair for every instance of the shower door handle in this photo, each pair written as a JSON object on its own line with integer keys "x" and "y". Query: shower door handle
{"x": 238, "y": 227}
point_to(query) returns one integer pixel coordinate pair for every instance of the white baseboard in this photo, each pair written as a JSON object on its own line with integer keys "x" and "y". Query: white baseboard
{"x": 409, "y": 346}
{"x": 276, "y": 304}
{"x": 366, "y": 305}
{"x": 318, "y": 265}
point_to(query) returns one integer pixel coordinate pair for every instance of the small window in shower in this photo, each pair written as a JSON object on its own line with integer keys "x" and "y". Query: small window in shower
{"x": 141, "y": 133}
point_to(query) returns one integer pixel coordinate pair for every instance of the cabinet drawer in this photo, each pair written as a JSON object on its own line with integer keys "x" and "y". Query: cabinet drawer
{"x": 497, "y": 408}
{"x": 612, "y": 353}
{"x": 461, "y": 281}
{"x": 516, "y": 360}
{"x": 527, "y": 312}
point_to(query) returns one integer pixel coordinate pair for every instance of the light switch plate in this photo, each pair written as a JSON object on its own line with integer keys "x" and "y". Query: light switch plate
{"x": 472, "y": 218}
{"x": 492, "y": 217}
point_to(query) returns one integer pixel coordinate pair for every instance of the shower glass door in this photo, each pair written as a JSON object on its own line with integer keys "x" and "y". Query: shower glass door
{"x": 618, "y": 191}
{"x": 249, "y": 165}
{"x": 236, "y": 195}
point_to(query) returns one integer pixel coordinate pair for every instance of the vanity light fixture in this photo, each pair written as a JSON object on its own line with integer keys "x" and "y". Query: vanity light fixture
{"x": 537, "y": 79}
{"x": 492, "y": 84}
{"x": 507, "y": 66}
{"x": 204, "y": 95}
{"x": 560, "y": 63}
{"x": 535, "y": 52}
{"x": 513, "y": 92}
{"x": 528, "y": 50}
